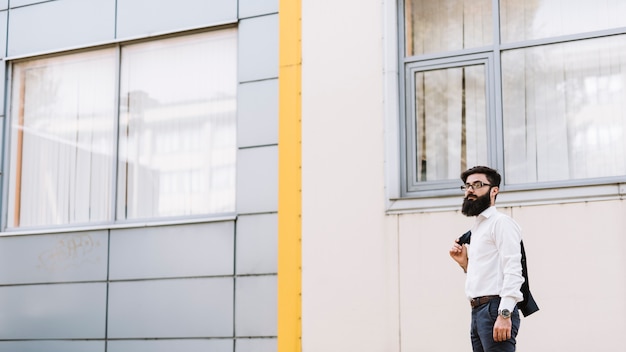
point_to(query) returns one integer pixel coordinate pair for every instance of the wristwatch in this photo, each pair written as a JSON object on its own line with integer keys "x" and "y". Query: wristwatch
{"x": 505, "y": 313}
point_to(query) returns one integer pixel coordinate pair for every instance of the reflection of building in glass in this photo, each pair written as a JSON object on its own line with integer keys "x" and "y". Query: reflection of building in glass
{"x": 186, "y": 164}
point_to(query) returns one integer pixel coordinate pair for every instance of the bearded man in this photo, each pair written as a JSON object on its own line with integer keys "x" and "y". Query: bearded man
{"x": 493, "y": 263}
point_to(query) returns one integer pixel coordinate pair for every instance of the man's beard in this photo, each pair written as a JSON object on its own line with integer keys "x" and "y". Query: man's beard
{"x": 473, "y": 207}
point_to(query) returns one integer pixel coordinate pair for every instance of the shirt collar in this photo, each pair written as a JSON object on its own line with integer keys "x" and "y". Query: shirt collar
{"x": 487, "y": 212}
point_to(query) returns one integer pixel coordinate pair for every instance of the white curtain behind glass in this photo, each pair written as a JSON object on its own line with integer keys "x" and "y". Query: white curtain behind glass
{"x": 62, "y": 134}
{"x": 564, "y": 111}
{"x": 177, "y": 127}
{"x": 446, "y": 25}
{"x": 451, "y": 125}
{"x": 536, "y": 19}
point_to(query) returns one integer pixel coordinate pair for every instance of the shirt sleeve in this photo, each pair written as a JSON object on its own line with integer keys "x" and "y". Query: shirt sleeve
{"x": 508, "y": 236}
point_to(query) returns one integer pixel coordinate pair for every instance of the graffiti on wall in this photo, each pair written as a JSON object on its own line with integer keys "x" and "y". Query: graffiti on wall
{"x": 70, "y": 251}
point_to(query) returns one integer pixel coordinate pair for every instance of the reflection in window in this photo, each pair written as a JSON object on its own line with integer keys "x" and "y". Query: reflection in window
{"x": 451, "y": 121}
{"x": 62, "y": 140}
{"x": 177, "y": 126}
{"x": 433, "y": 26}
{"x": 538, "y": 19}
{"x": 564, "y": 111}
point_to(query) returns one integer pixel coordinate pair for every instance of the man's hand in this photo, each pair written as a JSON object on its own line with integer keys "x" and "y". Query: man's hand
{"x": 502, "y": 329}
{"x": 459, "y": 254}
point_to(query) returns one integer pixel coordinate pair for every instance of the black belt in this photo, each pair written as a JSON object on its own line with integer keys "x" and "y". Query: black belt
{"x": 479, "y": 301}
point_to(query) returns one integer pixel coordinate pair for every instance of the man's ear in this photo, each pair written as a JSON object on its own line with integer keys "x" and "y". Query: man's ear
{"x": 494, "y": 191}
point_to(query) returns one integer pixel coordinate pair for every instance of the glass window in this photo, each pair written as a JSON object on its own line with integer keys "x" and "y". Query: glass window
{"x": 450, "y": 122}
{"x": 537, "y": 19}
{"x": 536, "y": 91}
{"x": 564, "y": 111}
{"x": 177, "y": 127}
{"x": 168, "y": 148}
{"x": 62, "y": 139}
{"x": 433, "y": 26}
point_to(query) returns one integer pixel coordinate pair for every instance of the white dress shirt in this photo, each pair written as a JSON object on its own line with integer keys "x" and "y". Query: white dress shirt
{"x": 494, "y": 259}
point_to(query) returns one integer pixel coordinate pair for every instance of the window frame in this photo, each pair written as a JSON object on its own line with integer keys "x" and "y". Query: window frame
{"x": 411, "y": 186}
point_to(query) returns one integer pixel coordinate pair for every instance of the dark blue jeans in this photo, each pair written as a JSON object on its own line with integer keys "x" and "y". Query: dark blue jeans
{"x": 483, "y": 320}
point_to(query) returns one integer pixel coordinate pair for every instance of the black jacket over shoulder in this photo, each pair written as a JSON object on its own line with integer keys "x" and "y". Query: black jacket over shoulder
{"x": 528, "y": 306}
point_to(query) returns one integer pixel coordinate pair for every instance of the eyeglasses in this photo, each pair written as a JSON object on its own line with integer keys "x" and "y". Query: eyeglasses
{"x": 476, "y": 185}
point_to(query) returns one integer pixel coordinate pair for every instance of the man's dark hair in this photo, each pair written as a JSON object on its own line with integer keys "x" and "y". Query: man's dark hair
{"x": 492, "y": 175}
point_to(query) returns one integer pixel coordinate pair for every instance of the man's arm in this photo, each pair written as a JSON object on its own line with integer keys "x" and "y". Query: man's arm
{"x": 507, "y": 240}
{"x": 508, "y": 237}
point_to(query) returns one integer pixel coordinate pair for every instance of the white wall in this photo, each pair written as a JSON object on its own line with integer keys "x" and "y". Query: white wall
{"x": 577, "y": 269}
{"x": 349, "y": 259}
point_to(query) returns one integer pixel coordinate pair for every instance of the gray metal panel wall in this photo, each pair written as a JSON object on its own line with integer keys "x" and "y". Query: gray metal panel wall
{"x": 257, "y": 180}
{"x": 20, "y": 3}
{"x": 173, "y": 251}
{"x": 257, "y": 244}
{"x": 201, "y": 307}
{"x": 4, "y": 17}
{"x": 52, "y": 346}
{"x": 166, "y": 16}
{"x": 54, "y": 258}
{"x": 252, "y": 8}
{"x": 255, "y": 304}
{"x": 54, "y": 311}
{"x": 2, "y": 91}
{"x": 60, "y": 24}
{"x": 189, "y": 287}
{"x": 256, "y": 345}
{"x": 257, "y": 113}
{"x": 221, "y": 345}
{"x": 258, "y": 51}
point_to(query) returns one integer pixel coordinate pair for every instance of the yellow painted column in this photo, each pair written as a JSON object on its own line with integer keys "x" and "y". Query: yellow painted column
{"x": 289, "y": 178}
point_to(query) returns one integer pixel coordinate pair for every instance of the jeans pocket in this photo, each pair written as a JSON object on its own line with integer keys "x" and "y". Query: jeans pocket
{"x": 493, "y": 308}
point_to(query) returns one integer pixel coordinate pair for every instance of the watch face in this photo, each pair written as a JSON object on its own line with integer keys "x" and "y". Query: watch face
{"x": 505, "y": 313}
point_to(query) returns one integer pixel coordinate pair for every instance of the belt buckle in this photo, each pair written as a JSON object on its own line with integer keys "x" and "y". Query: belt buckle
{"x": 474, "y": 302}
